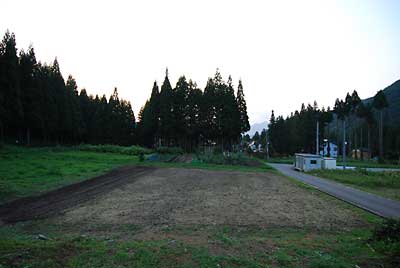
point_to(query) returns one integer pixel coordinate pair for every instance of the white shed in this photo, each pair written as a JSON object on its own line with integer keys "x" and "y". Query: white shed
{"x": 329, "y": 163}
{"x": 305, "y": 162}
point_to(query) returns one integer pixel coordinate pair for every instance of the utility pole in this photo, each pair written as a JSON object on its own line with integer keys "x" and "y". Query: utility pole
{"x": 266, "y": 144}
{"x": 344, "y": 144}
{"x": 317, "y": 140}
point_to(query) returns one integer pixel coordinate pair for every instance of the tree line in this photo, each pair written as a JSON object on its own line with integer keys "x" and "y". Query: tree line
{"x": 297, "y": 133}
{"x": 37, "y": 104}
{"x": 361, "y": 120}
{"x": 187, "y": 117}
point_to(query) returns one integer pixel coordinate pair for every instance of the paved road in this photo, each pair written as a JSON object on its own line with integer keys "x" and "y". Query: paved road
{"x": 378, "y": 205}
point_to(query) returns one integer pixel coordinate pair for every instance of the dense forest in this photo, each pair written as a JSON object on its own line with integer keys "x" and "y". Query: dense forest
{"x": 366, "y": 128}
{"x": 187, "y": 117}
{"x": 38, "y": 106}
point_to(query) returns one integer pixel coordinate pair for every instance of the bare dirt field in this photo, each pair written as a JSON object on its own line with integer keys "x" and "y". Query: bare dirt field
{"x": 182, "y": 197}
{"x": 178, "y": 217}
{"x": 154, "y": 197}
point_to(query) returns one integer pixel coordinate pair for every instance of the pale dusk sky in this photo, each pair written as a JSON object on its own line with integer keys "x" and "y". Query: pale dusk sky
{"x": 285, "y": 52}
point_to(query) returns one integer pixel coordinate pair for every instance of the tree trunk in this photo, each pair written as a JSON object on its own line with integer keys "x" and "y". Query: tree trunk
{"x": 361, "y": 144}
{"x": 1, "y": 133}
{"x": 355, "y": 143}
{"x": 344, "y": 144}
{"x": 369, "y": 141}
{"x": 381, "y": 135}
{"x": 28, "y": 136}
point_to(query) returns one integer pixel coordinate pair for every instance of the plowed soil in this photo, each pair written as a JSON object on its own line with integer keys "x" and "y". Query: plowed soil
{"x": 182, "y": 197}
{"x": 156, "y": 197}
{"x": 57, "y": 201}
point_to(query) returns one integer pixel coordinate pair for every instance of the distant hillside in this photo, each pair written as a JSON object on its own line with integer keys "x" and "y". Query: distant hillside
{"x": 257, "y": 127}
{"x": 392, "y": 113}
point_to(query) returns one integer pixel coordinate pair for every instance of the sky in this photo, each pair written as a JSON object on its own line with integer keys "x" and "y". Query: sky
{"x": 286, "y": 52}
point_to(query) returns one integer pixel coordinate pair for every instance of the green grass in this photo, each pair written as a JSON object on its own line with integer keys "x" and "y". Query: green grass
{"x": 198, "y": 165}
{"x": 281, "y": 160}
{"x": 25, "y": 172}
{"x": 107, "y": 148}
{"x": 366, "y": 163}
{"x": 225, "y": 247}
{"x": 386, "y": 184}
{"x": 31, "y": 171}
{"x": 235, "y": 159}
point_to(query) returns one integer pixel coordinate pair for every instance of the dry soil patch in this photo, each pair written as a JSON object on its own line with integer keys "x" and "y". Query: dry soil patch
{"x": 186, "y": 197}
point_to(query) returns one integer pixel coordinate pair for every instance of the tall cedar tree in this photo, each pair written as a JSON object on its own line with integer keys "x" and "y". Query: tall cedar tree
{"x": 380, "y": 103}
{"x": 166, "y": 112}
{"x": 11, "y": 118}
{"x": 241, "y": 103}
{"x": 149, "y": 119}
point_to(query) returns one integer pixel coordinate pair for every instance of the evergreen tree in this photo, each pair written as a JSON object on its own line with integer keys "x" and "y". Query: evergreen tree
{"x": 380, "y": 103}
{"x": 242, "y": 107}
{"x": 166, "y": 111}
{"x": 30, "y": 96}
{"x": 193, "y": 115}
{"x": 73, "y": 109}
{"x": 10, "y": 93}
{"x": 149, "y": 118}
{"x": 179, "y": 111}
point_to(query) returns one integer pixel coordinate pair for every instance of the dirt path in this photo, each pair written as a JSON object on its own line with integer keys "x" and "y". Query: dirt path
{"x": 58, "y": 200}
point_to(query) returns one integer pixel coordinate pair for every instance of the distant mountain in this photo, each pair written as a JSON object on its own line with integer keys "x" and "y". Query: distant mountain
{"x": 392, "y": 113}
{"x": 257, "y": 127}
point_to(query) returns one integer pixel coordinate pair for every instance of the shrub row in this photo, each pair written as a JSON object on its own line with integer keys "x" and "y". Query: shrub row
{"x": 106, "y": 148}
{"x": 227, "y": 159}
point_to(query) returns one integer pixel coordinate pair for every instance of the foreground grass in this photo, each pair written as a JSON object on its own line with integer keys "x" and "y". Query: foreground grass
{"x": 386, "y": 184}
{"x": 25, "y": 172}
{"x": 196, "y": 246}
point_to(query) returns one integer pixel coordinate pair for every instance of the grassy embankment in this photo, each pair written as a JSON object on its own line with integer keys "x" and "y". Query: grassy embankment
{"x": 386, "y": 184}
{"x": 29, "y": 171}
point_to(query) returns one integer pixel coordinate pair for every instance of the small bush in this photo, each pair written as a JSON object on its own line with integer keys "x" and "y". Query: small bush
{"x": 169, "y": 150}
{"x": 228, "y": 159}
{"x": 389, "y": 231}
{"x": 106, "y": 148}
{"x": 386, "y": 240}
{"x": 141, "y": 156}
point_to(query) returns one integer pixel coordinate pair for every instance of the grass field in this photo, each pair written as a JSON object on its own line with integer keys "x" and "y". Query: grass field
{"x": 386, "y": 184}
{"x": 367, "y": 163}
{"x": 25, "y": 172}
{"x": 195, "y": 246}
